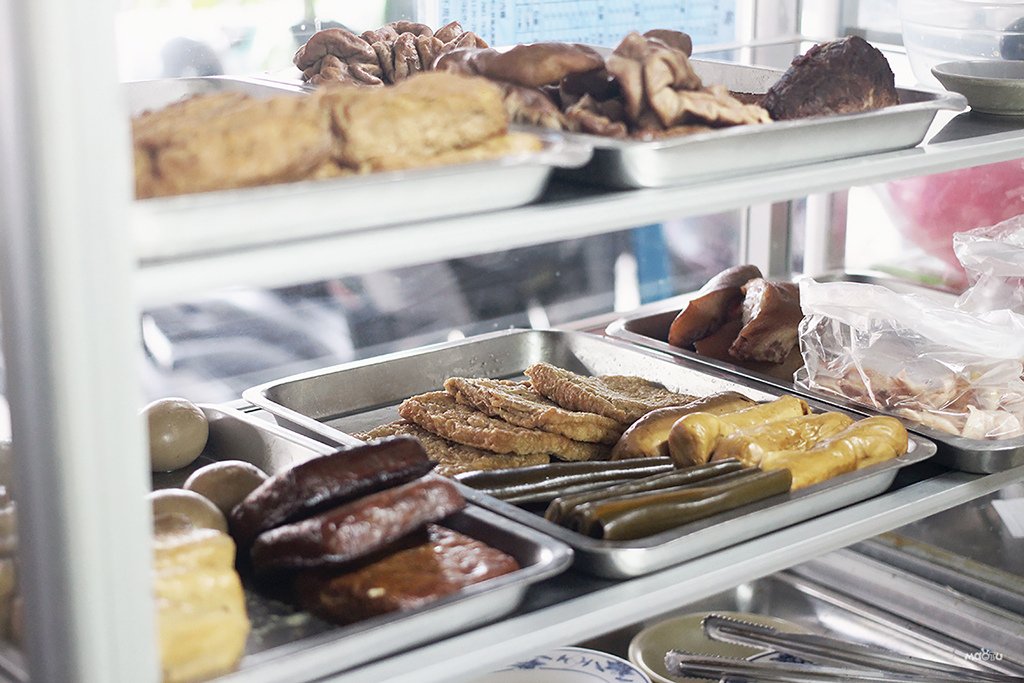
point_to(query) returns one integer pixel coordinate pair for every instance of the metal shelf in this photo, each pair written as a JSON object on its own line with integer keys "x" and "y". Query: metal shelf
{"x": 564, "y": 212}
{"x": 574, "y": 607}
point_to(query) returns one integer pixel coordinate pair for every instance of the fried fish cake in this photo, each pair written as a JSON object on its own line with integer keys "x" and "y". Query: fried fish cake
{"x": 622, "y": 398}
{"x": 453, "y": 458}
{"x": 438, "y": 412}
{"x": 519, "y": 404}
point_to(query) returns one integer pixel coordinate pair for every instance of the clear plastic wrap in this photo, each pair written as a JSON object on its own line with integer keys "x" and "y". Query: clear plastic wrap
{"x": 993, "y": 259}
{"x": 953, "y": 365}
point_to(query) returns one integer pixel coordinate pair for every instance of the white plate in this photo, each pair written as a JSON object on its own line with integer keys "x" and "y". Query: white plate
{"x": 647, "y": 649}
{"x": 990, "y": 86}
{"x": 569, "y": 665}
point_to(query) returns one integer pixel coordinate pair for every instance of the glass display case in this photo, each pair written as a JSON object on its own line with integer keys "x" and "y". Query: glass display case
{"x": 109, "y": 302}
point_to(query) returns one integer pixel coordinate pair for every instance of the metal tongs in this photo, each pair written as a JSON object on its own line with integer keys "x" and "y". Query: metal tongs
{"x": 828, "y": 659}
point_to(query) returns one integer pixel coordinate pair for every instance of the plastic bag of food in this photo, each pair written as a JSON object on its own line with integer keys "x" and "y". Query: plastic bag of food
{"x": 915, "y": 356}
{"x": 993, "y": 258}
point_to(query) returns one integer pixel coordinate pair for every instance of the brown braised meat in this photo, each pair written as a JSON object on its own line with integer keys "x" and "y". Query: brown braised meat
{"x": 531, "y": 107}
{"x": 520, "y": 404}
{"x": 597, "y": 118}
{"x": 674, "y": 39}
{"x": 716, "y": 303}
{"x": 840, "y": 77}
{"x": 645, "y": 69}
{"x": 537, "y": 64}
{"x": 598, "y": 84}
{"x": 384, "y": 56}
{"x": 439, "y": 413}
{"x": 771, "y": 318}
{"x": 358, "y": 528}
{"x": 427, "y": 567}
{"x": 327, "y": 481}
{"x": 453, "y": 458}
{"x": 623, "y": 398}
{"x": 661, "y": 90}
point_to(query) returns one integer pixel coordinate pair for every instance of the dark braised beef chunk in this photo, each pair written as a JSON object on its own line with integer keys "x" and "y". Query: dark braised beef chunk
{"x": 597, "y": 118}
{"x": 598, "y": 84}
{"x": 531, "y": 107}
{"x": 839, "y": 77}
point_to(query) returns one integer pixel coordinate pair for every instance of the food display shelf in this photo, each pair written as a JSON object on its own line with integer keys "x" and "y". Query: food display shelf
{"x": 576, "y": 606}
{"x": 565, "y": 211}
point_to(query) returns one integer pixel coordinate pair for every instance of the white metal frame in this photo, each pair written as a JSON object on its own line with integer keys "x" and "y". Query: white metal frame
{"x": 69, "y": 342}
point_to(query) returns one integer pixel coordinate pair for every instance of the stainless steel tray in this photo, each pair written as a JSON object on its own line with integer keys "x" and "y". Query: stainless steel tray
{"x": 859, "y": 608}
{"x": 968, "y": 548}
{"x": 201, "y": 223}
{"x": 742, "y": 150}
{"x": 290, "y": 645}
{"x": 332, "y": 403}
{"x": 649, "y": 328}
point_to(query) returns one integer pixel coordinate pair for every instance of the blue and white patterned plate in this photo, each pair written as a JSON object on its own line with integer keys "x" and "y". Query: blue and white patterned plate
{"x": 568, "y": 665}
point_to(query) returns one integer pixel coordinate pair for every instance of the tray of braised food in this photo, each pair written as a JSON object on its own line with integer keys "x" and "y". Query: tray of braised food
{"x": 654, "y": 116}
{"x": 277, "y": 557}
{"x": 440, "y": 142}
{"x": 636, "y": 461}
{"x": 749, "y": 326}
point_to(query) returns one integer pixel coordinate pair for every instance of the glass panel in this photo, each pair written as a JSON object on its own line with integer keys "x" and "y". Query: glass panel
{"x": 169, "y": 38}
{"x": 211, "y": 349}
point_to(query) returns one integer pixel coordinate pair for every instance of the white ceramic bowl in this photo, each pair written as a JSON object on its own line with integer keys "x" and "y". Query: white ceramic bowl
{"x": 936, "y": 31}
{"x": 568, "y": 665}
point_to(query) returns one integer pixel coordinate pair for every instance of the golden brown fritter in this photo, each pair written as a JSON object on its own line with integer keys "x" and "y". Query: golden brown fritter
{"x": 453, "y": 458}
{"x": 225, "y": 141}
{"x": 423, "y": 116}
{"x": 519, "y": 404}
{"x": 623, "y": 398}
{"x": 438, "y": 412}
{"x": 509, "y": 144}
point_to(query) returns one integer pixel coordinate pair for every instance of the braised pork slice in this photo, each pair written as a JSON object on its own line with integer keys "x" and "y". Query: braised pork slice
{"x": 716, "y": 303}
{"x": 771, "y": 318}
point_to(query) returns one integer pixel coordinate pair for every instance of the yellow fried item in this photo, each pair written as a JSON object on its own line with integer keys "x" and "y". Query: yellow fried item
{"x": 648, "y": 436}
{"x": 201, "y": 617}
{"x": 866, "y": 442}
{"x": 693, "y": 437}
{"x": 795, "y": 434}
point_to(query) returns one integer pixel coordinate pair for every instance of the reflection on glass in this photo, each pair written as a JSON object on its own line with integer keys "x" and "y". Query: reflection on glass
{"x": 212, "y": 349}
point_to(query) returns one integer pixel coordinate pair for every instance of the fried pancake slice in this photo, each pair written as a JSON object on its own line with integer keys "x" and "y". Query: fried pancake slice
{"x": 223, "y": 141}
{"x": 438, "y": 412}
{"x": 623, "y": 398}
{"x": 519, "y": 404}
{"x": 430, "y": 114}
{"x": 453, "y": 458}
{"x": 509, "y": 144}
